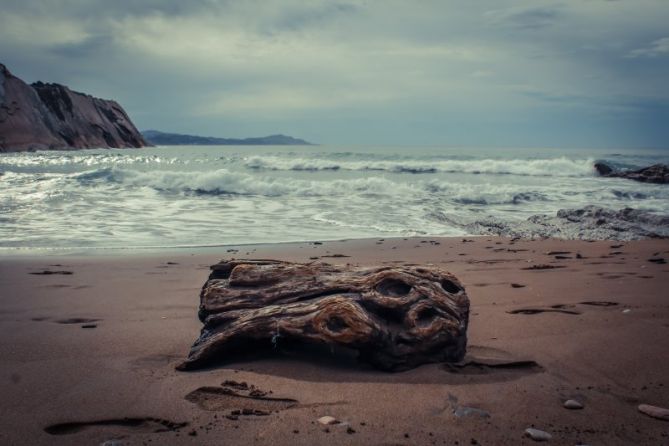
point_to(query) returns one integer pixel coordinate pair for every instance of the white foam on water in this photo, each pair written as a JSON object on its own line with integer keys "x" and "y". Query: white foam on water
{"x": 190, "y": 196}
{"x": 561, "y": 166}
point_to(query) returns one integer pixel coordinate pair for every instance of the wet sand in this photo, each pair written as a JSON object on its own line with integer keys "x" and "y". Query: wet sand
{"x": 89, "y": 357}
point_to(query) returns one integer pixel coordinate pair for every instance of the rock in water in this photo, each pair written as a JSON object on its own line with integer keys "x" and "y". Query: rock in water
{"x": 537, "y": 435}
{"x": 603, "y": 169}
{"x": 587, "y": 223}
{"x": 395, "y": 317}
{"x": 51, "y": 116}
{"x": 657, "y": 173}
{"x": 653, "y": 411}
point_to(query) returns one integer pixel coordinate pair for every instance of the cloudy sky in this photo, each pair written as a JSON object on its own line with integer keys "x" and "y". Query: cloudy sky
{"x": 576, "y": 73}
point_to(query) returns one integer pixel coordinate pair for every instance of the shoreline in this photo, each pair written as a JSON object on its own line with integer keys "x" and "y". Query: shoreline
{"x": 591, "y": 328}
{"x": 86, "y": 252}
{"x": 30, "y": 253}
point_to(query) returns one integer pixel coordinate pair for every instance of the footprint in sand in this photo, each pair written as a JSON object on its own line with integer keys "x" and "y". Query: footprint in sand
{"x": 542, "y": 267}
{"x": 131, "y": 425}
{"x": 76, "y": 320}
{"x": 487, "y": 364}
{"x": 84, "y": 322}
{"x": 240, "y": 397}
{"x": 562, "y": 308}
{"x": 47, "y": 272}
{"x": 600, "y": 303}
{"x": 559, "y": 308}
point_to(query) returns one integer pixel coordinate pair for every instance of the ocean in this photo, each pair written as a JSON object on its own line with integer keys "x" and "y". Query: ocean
{"x": 194, "y": 196}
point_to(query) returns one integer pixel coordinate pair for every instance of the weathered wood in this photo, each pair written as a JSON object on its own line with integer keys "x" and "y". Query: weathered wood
{"x": 396, "y": 317}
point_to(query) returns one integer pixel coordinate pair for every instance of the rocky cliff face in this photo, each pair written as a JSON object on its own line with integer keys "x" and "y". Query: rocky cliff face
{"x": 51, "y": 116}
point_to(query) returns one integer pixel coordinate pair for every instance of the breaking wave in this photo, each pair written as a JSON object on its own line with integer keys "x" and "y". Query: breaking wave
{"x": 185, "y": 196}
{"x": 560, "y": 167}
{"x": 225, "y": 182}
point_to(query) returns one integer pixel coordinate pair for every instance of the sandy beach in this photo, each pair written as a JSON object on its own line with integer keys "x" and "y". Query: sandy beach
{"x": 88, "y": 352}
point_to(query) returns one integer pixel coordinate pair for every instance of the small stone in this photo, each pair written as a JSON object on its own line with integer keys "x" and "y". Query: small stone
{"x": 537, "y": 435}
{"x": 653, "y": 411}
{"x": 573, "y": 405}
{"x": 626, "y": 310}
{"x": 328, "y": 420}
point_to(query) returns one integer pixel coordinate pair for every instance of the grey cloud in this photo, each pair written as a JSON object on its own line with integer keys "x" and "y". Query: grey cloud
{"x": 111, "y": 9}
{"x": 435, "y": 71}
{"x": 299, "y": 18}
{"x": 658, "y": 48}
{"x": 86, "y": 48}
{"x": 530, "y": 19}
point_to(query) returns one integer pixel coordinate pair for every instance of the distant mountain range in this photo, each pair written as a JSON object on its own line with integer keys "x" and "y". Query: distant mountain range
{"x": 176, "y": 139}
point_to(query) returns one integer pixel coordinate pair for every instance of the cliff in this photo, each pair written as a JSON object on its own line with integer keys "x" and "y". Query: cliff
{"x": 51, "y": 116}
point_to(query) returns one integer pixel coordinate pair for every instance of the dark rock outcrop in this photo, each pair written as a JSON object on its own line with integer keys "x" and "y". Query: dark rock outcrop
{"x": 587, "y": 223}
{"x": 51, "y": 116}
{"x": 603, "y": 169}
{"x": 395, "y": 317}
{"x": 657, "y": 173}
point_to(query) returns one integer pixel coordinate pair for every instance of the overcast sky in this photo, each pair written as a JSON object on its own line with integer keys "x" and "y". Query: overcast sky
{"x": 579, "y": 73}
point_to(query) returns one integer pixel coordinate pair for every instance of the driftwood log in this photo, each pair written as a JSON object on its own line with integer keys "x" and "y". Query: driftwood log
{"x": 396, "y": 317}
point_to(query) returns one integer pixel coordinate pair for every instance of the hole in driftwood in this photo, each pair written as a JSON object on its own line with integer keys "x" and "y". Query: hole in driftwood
{"x": 392, "y": 316}
{"x": 426, "y": 316}
{"x": 335, "y": 324}
{"x": 393, "y": 288}
{"x": 450, "y": 287}
{"x": 222, "y": 272}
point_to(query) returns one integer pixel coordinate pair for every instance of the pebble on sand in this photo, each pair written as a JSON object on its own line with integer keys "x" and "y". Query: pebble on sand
{"x": 653, "y": 411}
{"x": 328, "y": 420}
{"x": 537, "y": 435}
{"x": 573, "y": 405}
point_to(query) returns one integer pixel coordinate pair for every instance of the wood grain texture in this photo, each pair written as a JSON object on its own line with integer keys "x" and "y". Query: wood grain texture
{"x": 395, "y": 317}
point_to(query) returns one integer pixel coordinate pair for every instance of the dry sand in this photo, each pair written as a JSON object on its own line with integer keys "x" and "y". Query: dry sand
{"x": 65, "y": 384}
